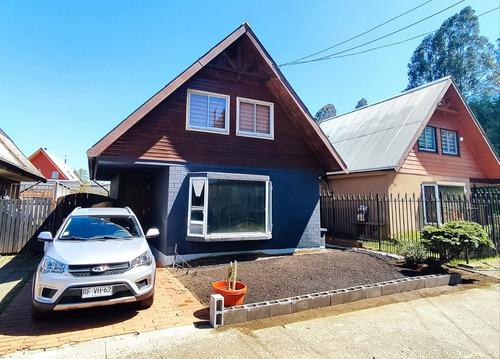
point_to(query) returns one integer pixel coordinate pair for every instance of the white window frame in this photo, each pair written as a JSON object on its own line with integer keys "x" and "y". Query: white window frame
{"x": 425, "y": 149}
{"x": 190, "y": 127}
{"x": 438, "y": 204}
{"x": 230, "y": 236}
{"x": 270, "y": 135}
{"x": 444, "y": 134}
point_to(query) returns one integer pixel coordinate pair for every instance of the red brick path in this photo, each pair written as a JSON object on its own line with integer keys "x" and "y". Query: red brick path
{"x": 174, "y": 306}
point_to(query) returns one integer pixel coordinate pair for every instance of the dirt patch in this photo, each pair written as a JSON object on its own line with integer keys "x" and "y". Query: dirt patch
{"x": 269, "y": 278}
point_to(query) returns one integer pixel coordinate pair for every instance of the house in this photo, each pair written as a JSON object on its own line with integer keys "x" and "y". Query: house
{"x": 424, "y": 141}
{"x": 14, "y": 168}
{"x": 61, "y": 180}
{"x": 224, "y": 159}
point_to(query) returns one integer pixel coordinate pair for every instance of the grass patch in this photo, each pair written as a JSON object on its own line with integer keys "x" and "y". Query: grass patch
{"x": 455, "y": 262}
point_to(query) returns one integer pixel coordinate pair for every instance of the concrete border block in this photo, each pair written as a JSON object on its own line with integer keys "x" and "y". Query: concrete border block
{"x": 455, "y": 278}
{"x": 280, "y": 307}
{"x": 373, "y": 291}
{"x": 258, "y": 310}
{"x": 237, "y": 314}
{"x": 443, "y": 279}
{"x": 431, "y": 281}
{"x": 390, "y": 287}
{"x": 319, "y": 300}
{"x": 216, "y": 310}
{"x": 301, "y": 303}
{"x": 338, "y": 296}
{"x": 355, "y": 293}
{"x": 407, "y": 284}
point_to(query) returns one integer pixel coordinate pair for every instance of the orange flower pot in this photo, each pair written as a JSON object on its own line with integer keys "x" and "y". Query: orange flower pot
{"x": 231, "y": 297}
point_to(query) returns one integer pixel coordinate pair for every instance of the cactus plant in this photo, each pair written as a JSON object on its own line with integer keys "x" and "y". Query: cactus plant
{"x": 232, "y": 270}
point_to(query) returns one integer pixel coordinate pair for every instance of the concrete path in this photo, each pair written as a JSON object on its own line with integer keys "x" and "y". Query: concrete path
{"x": 460, "y": 324}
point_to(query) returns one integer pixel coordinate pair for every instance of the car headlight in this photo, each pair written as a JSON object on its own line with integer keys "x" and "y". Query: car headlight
{"x": 50, "y": 265}
{"x": 145, "y": 259}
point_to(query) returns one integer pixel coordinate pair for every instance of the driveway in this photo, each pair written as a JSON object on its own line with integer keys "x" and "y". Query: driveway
{"x": 174, "y": 306}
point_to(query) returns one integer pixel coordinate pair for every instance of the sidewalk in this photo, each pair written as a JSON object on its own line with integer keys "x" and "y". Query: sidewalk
{"x": 460, "y": 324}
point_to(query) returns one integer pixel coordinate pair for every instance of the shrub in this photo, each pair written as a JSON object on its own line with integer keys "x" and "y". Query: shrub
{"x": 414, "y": 252}
{"x": 453, "y": 238}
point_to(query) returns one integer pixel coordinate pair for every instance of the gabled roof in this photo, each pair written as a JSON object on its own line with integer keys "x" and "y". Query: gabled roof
{"x": 14, "y": 165}
{"x": 58, "y": 163}
{"x": 380, "y": 136}
{"x": 280, "y": 87}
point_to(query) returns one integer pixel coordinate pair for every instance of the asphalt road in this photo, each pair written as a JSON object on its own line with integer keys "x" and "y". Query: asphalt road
{"x": 459, "y": 324}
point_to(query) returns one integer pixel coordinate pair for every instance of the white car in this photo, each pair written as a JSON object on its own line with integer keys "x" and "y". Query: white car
{"x": 99, "y": 256}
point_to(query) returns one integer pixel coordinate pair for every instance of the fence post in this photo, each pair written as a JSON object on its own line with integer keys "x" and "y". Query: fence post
{"x": 378, "y": 222}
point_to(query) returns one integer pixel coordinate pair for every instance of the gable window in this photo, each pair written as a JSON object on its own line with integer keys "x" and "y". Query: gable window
{"x": 254, "y": 118}
{"x": 207, "y": 112}
{"x": 427, "y": 140}
{"x": 229, "y": 207}
{"x": 55, "y": 174}
{"x": 449, "y": 142}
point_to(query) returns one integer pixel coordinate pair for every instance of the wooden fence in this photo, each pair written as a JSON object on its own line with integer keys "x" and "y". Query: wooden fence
{"x": 20, "y": 220}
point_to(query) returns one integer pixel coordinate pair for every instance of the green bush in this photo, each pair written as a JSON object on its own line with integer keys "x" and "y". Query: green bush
{"x": 452, "y": 238}
{"x": 414, "y": 252}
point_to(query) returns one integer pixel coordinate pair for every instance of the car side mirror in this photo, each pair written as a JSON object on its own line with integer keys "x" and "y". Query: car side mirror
{"x": 152, "y": 233}
{"x": 45, "y": 236}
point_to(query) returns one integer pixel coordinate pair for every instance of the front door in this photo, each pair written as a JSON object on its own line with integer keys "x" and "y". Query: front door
{"x": 135, "y": 194}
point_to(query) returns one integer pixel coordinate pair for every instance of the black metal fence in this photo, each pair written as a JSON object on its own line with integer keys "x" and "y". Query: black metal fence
{"x": 385, "y": 221}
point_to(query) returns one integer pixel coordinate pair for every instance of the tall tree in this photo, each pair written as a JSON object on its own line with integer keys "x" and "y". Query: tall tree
{"x": 325, "y": 112}
{"x": 456, "y": 49}
{"x": 361, "y": 103}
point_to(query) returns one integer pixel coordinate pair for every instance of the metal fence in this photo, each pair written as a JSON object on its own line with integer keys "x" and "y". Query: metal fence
{"x": 385, "y": 221}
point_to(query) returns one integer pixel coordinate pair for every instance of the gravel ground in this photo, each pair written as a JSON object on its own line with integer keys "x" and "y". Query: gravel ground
{"x": 269, "y": 278}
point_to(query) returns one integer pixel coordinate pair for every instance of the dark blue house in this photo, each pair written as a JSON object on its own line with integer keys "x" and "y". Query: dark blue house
{"x": 224, "y": 159}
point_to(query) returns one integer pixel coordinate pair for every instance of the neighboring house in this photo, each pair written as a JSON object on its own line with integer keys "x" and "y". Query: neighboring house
{"x": 14, "y": 168}
{"x": 58, "y": 173}
{"x": 224, "y": 159}
{"x": 424, "y": 141}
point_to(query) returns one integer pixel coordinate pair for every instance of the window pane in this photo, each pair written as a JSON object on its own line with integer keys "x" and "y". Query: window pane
{"x": 449, "y": 142}
{"x": 263, "y": 119}
{"x": 217, "y": 113}
{"x": 246, "y": 117}
{"x": 198, "y": 108}
{"x": 236, "y": 206}
{"x": 427, "y": 140}
{"x": 195, "y": 228}
{"x": 430, "y": 204}
{"x": 198, "y": 192}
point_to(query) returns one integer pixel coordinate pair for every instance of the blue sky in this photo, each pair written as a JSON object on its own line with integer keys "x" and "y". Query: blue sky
{"x": 70, "y": 71}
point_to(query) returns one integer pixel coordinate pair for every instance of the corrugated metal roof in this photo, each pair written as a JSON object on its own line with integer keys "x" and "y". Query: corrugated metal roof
{"x": 377, "y": 136}
{"x": 12, "y": 157}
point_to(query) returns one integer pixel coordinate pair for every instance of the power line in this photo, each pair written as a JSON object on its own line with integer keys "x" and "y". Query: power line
{"x": 363, "y": 33}
{"x": 369, "y": 42}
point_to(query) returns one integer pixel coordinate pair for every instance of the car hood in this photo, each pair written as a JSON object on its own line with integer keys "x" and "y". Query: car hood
{"x": 96, "y": 251}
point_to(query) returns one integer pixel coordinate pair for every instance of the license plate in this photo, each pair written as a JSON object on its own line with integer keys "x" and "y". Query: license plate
{"x": 92, "y": 292}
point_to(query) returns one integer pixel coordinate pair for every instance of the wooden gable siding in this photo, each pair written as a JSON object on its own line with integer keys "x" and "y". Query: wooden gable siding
{"x": 45, "y": 165}
{"x": 162, "y": 136}
{"x": 466, "y": 165}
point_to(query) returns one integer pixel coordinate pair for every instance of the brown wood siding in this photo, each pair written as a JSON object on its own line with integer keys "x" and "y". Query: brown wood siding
{"x": 162, "y": 136}
{"x": 466, "y": 165}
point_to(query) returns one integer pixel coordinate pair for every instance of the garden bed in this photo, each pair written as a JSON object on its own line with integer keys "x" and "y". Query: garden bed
{"x": 269, "y": 278}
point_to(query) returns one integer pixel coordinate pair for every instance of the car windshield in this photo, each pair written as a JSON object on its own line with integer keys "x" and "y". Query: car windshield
{"x": 100, "y": 228}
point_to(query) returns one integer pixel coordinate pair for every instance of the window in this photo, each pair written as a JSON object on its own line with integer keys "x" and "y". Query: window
{"x": 254, "y": 118}
{"x": 427, "y": 140}
{"x": 229, "y": 207}
{"x": 449, "y": 142}
{"x": 55, "y": 174}
{"x": 441, "y": 203}
{"x": 207, "y": 112}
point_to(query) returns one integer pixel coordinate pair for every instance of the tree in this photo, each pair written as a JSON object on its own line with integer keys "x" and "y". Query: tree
{"x": 325, "y": 112}
{"x": 487, "y": 112}
{"x": 456, "y": 49}
{"x": 361, "y": 103}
